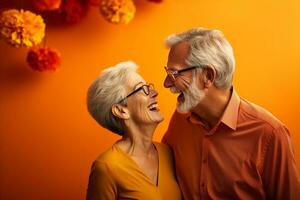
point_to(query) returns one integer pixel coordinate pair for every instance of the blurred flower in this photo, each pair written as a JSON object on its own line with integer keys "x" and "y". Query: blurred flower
{"x": 94, "y": 2}
{"x": 46, "y": 5}
{"x": 42, "y": 59}
{"x": 156, "y": 1}
{"x": 21, "y": 28}
{"x": 118, "y": 11}
{"x": 73, "y": 10}
{"x": 69, "y": 12}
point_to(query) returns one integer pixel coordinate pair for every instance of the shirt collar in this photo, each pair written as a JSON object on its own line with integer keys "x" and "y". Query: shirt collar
{"x": 229, "y": 117}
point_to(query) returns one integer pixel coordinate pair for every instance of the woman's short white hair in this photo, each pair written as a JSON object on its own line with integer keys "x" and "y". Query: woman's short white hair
{"x": 108, "y": 89}
{"x": 208, "y": 47}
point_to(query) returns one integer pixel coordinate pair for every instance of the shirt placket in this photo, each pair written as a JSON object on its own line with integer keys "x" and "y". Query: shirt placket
{"x": 204, "y": 168}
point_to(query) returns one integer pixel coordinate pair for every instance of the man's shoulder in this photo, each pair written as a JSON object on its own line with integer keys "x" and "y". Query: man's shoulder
{"x": 176, "y": 126}
{"x": 178, "y": 118}
{"x": 250, "y": 111}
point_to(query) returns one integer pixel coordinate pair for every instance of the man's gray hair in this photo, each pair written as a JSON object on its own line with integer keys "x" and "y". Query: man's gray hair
{"x": 108, "y": 89}
{"x": 208, "y": 47}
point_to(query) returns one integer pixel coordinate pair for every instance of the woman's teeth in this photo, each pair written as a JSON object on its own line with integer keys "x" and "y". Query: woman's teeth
{"x": 153, "y": 107}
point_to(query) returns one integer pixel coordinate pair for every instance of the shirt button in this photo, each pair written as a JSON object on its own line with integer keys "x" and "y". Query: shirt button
{"x": 203, "y": 185}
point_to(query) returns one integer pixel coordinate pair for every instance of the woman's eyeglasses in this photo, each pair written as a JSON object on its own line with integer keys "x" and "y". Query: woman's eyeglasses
{"x": 146, "y": 89}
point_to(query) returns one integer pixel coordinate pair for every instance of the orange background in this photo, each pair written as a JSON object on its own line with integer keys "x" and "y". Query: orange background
{"x": 47, "y": 138}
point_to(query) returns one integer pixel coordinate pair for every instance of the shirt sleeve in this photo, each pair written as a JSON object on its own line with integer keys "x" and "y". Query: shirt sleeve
{"x": 101, "y": 185}
{"x": 279, "y": 171}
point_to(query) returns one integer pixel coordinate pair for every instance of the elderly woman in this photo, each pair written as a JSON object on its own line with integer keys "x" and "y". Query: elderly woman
{"x": 134, "y": 167}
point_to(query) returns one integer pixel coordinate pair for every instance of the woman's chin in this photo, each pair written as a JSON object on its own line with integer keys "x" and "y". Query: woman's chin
{"x": 161, "y": 119}
{"x": 157, "y": 118}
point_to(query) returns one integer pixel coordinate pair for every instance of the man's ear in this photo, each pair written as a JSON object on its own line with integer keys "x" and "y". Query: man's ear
{"x": 209, "y": 76}
{"x": 120, "y": 111}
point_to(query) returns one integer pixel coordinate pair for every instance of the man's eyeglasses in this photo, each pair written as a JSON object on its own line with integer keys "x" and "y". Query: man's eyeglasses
{"x": 146, "y": 89}
{"x": 173, "y": 74}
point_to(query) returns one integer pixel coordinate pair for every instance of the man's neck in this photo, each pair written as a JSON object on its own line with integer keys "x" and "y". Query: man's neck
{"x": 212, "y": 107}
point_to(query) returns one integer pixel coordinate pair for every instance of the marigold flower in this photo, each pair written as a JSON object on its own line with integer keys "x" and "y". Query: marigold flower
{"x": 156, "y": 1}
{"x": 118, "y": 11}
{"x": 94, "y": 2}
{"x": 47, "y": 5}
{"x": 69, "y": 12}
{"x": 42, "y": 59}
{"x": 22, "y": 28}
{"x": 73, "y": 10}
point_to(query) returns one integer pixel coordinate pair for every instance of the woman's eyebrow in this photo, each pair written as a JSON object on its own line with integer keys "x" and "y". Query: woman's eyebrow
{"x": 139, "y": 84}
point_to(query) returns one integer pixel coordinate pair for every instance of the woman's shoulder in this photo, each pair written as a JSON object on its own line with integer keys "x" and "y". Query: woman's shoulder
{"x": 165, "y": 158}
{"x": 163, "y": 149}
{"x": 110, "y": 157}
{"x": 161, "y": 145}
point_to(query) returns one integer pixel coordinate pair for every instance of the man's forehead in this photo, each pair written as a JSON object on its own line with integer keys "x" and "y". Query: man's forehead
{"x": 181, "y": 47}
{"x": 178, "y": 54}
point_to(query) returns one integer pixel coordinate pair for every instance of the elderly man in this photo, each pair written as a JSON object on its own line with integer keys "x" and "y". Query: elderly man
{"x": 225, "y": 147}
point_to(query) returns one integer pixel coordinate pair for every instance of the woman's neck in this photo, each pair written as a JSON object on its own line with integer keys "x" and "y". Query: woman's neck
{"x": 137, "y": 141}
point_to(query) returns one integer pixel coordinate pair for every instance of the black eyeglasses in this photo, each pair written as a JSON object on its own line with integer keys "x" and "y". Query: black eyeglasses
{"x": 173, "y": 74}
{"x": 146, "y": 89}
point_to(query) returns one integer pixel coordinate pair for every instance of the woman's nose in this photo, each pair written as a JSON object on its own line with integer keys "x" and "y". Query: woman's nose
{"x": 153, "y": 93}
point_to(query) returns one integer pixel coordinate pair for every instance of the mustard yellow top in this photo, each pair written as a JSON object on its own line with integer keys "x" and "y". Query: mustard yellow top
{"x": 115, "y": 175}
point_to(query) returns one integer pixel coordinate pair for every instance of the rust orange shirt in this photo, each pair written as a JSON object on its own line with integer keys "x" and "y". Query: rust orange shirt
{"x": 247, "y": 155}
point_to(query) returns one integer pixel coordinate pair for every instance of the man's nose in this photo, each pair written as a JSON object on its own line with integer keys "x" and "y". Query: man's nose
{"x": 168, "y": 82}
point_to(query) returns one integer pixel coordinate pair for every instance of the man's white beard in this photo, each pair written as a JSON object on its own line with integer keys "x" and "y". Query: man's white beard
{"x": 192, "y": 97}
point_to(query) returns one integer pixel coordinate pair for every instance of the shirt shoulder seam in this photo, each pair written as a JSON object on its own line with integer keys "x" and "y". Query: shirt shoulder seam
{"x": 259, "y": 118}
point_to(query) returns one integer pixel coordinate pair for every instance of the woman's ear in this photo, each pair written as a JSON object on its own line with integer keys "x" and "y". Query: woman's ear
{"x": 120, "y": 111}
{"x": 209, "y": 76}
